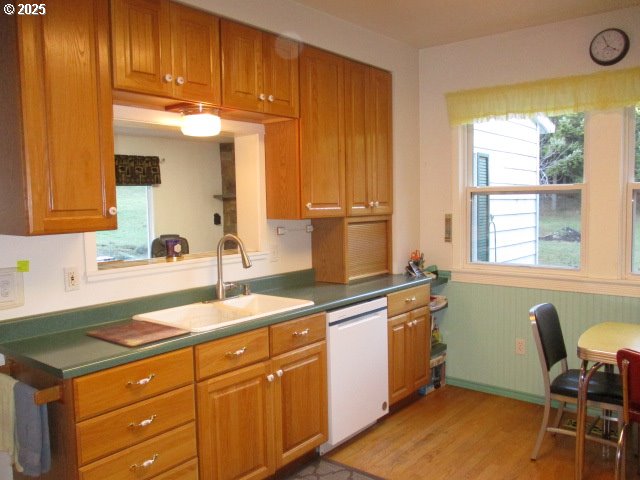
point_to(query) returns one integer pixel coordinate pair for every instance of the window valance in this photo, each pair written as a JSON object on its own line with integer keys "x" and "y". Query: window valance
{"x": 556, "y": 96}
{"x": 137, "y": 170}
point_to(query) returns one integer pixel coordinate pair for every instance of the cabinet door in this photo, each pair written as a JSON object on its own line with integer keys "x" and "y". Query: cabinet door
{"x": 420, "y": 347}
{"x": 357, "y": 167}
{"x": 235, "y": 425}
{"x": 195, "y": 39}
{"x": 322, "y": 166}
{"x": 67, "y": 117}
{"x": 280, "y": 56}
{"x": 242, "y": 84}
{"x": 301, "y": 401}
{"x": 399, "y": 365}
{"x": 379, "y": 152}
{"x": 141, "y": 46}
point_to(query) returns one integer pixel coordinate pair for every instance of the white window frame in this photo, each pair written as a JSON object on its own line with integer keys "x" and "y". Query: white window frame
{"x": 632, "y": 185}
{"x": 606, "y": 176}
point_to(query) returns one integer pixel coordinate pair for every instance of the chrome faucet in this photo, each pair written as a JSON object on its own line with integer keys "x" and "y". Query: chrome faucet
{"x": 221, "y": 287}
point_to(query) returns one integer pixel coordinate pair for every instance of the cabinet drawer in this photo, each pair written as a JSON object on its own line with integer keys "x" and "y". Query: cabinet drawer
{"x": 186, "y": 471}
{"x": 114, "y": 388}
{"x": 232, "y": 352}
{"x": 408, "y": 299}
{"x": 134, "y": 424}
{"x": 147, "y": 459}
{"x": 297, "y": 333}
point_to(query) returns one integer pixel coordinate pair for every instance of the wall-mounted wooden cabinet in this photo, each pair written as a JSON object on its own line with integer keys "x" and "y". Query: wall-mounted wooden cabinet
{"x": 345, "y": 249}
{"x": 166, "y": 49}
{"x": 259, "y": 70}
{"x": 369, "y": 171}
{"x": 56, "y": 147}
{"x": 305, "y": 169}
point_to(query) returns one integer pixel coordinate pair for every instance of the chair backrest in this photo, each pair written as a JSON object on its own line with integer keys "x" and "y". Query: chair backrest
{"x": 629, "y": 366}
{"x": 548, "y": 334}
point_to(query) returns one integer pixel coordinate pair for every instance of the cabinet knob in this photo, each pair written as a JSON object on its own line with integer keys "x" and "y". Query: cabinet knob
{"x": 168, "y": 78}
{"x": 409, "y": 300}
{"x": 180, "y": 80}
{"x": 113, "y": 211}
{"x": 262, "y": 97}
{"x": 270, "y": 377}
{"x": 271, "y": 98}
{"x": 279, "y": 373}
{"x": 371, "y": 204}
{"x": 376, "y": 204}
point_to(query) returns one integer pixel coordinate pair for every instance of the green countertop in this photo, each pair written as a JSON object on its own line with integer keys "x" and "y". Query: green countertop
{"x": 57, "y": 343}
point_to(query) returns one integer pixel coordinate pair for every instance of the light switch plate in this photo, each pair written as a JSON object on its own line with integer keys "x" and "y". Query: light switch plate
{"x": 11, "y": 288}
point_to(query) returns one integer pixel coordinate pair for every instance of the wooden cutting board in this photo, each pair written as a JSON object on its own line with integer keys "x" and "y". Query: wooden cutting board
{"x": 135, "y": 333}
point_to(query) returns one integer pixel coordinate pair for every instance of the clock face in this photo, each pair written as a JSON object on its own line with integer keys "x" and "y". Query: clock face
{"x": 609, "y": 46}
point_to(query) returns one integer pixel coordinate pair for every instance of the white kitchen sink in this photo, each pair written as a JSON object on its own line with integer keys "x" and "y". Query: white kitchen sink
{"x": 204, "y": 316}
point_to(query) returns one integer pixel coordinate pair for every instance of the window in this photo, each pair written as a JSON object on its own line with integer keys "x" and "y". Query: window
{"x": 131, "y": 240}
{"x": 635, "y": 188}
{"x": 525, "y": 191}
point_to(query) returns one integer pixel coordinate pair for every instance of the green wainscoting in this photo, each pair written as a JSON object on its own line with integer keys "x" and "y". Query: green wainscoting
{"x": 482, "y": 322}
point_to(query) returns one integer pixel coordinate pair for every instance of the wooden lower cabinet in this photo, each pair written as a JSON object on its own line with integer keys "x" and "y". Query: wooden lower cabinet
{"x": 235, "y": 425}
{"x": 301, "y": 400}
{"x": 409, "y": 342}
{"x": 257, "y": 418}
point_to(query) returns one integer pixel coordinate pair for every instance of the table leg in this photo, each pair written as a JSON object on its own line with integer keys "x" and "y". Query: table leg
{"x": 581, "y": 413}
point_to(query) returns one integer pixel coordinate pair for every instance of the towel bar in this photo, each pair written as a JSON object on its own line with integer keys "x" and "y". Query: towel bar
{"x": 40, "y": 397}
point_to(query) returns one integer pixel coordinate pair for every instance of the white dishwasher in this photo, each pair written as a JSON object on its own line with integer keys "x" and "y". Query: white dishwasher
{"x": 357, "y": 370}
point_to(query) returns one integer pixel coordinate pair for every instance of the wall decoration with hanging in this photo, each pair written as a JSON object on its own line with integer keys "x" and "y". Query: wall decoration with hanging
{"x": 137, "y": 170}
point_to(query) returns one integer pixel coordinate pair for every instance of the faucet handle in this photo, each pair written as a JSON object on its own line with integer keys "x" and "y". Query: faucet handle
{"x": 246, "y": 289}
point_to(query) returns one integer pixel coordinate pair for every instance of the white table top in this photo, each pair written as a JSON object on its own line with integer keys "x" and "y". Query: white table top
{"x": 601, "y": 342}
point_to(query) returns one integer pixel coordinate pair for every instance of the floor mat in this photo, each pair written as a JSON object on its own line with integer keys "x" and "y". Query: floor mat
{"x": 329, "y": 470}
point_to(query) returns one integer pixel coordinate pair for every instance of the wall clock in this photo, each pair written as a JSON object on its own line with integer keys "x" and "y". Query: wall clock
{"x": 609, "y": 46}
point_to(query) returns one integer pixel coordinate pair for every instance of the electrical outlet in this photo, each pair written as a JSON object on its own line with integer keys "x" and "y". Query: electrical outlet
{"x": 71, "y": 279}
{"x": 520, "y": 346}
{"x": 11, "y": 288}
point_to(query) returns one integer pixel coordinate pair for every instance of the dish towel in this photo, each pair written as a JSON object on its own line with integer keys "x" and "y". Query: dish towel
{"x": 7, "y": 431}
{"x": 32, "y": 432}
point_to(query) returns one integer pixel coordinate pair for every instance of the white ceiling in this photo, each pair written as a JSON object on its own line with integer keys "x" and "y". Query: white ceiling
{"x": 426, "y": 23}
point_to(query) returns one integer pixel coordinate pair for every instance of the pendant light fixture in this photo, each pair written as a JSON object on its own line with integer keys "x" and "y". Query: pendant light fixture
{"x": 200, "y": 121}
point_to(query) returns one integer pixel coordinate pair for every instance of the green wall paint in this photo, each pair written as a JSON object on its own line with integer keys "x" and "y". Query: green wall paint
{"x": 482, "y": 322}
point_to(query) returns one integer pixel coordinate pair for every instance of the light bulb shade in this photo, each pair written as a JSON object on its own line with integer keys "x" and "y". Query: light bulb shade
{"x": 200, "y": 124}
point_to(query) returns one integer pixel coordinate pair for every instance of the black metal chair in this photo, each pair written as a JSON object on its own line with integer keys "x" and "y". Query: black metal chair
{"x": 604, "y": 390}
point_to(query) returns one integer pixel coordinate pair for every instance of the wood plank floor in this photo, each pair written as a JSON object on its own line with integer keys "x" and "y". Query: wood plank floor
{"x": 455, "y": 433}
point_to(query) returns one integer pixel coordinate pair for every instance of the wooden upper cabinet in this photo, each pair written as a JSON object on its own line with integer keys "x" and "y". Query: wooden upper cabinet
{"x": 56, "y": 151}
{"x": 368, "y": 140}
{"x": 322, "y": 165}
{"x": 259, "y": 70}
{"x": 166, "y": 49}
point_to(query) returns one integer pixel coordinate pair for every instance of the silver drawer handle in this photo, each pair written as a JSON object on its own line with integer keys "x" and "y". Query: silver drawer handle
{"x": 145, "y": 464}
{"x": 409, "y": 300}
{"x": 144, "y": 423}
{"x": 311, "y": 207}
{"x": 236, "y": 354}
{"x": 141, "y": 382}
{"x": 301, "y": 333}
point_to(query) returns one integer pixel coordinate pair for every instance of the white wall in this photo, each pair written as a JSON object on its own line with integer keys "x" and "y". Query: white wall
{"x": 43, "y": 285}
{"x": 555, "y": 50}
